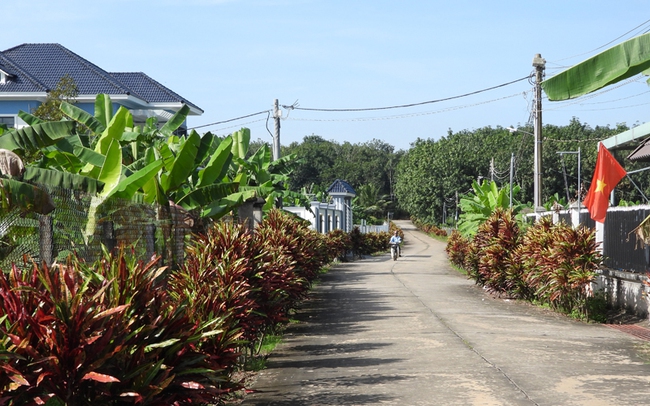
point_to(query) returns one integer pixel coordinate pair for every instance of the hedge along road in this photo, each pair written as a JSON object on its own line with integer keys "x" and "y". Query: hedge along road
{"x": 416, "y": 332}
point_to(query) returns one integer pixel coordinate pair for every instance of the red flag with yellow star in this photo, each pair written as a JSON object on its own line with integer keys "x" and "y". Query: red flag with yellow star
{"x": 607, "y": 175}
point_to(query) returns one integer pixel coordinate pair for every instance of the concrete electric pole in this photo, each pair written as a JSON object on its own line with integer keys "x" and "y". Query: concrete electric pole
{"x": 277, "y": 113}
{"x": 539, "y": 63}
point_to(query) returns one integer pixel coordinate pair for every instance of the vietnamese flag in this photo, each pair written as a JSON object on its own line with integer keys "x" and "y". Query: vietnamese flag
{"x": 607, "y": 175}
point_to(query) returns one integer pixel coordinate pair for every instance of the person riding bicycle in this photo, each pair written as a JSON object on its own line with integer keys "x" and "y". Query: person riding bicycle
{"x": 395, "y": 239}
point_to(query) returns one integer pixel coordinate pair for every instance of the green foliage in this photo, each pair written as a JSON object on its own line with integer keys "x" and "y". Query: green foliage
{"x": 66, "y": 90}
{"x": 554, "y": 202}
{"x": 369, "y": 205}
{"x": 479, "y": 206}
{"x": 322, "y": 161}
{"x": 433, "y": 172}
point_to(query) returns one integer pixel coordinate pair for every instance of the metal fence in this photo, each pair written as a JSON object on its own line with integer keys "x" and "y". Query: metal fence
{"x": 620, "y": 248}
{"x": 78, "y": 226}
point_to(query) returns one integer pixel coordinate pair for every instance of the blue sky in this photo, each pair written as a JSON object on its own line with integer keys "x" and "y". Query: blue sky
{"x": 232, "y": 58}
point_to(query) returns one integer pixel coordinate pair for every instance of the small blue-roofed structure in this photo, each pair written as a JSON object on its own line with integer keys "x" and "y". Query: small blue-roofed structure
{"x": 342, "y": 194}
{"x": 28, "y": 72}
{"x": 334, "y": 215}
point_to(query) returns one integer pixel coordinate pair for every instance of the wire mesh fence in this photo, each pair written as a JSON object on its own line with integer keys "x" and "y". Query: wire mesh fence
{"x": 82, "y": 225}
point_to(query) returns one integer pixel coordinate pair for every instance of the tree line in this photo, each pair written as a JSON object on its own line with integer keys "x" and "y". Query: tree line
{"x": 427, "y": 181}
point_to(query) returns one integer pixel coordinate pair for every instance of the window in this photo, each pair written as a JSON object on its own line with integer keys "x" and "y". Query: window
{"x": 9, "y": 121}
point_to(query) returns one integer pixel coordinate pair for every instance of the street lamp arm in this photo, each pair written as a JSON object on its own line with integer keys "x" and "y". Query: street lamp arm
{"x": 517, "y": 130}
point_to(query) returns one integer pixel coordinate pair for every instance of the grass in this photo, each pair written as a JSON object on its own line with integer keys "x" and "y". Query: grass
{"x": 440, "y": 238}
{"x": 257, "y": 362}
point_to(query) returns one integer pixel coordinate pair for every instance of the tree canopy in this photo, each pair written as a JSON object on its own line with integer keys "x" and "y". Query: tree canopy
{"x": 434, "y": 174}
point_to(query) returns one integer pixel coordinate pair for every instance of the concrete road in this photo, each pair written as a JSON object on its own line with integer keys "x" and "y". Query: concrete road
{"x": 416, "y": 332}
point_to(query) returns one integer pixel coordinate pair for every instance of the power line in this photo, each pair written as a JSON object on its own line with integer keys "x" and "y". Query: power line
{"x": 603, "y": 46}
{"x": 232, "y": 119}
{"x": 401, "y": 116}
{"x": 295, "y": 107}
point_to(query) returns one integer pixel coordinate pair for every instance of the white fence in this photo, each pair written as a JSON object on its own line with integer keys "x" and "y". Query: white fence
{"x": 371, "y": 228}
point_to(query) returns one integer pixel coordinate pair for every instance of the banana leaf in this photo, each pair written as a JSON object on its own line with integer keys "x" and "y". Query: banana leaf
{"x": 83, "y": 117}
{"x": 218, "y": 164}
{"x": 129, "y": 186}
{"x": 176, "y": 121}
{"x": 37, "y": 136}
{"x": 114, "y": 130}
{"x": 183, "y": 164}
{"x": 26, "y": 197}
{"x": 610, "y": 66}
{"x": 241, "y": 142}
{"x": 206, "y": 146}
{"x": 103, "y": 109}
{"x": 71, "y": 154}
{"x": 111, "y": 172}
{"x": 205, "y": 195}
{"x": 30, "y": 119}
{"x": 220, "y": 208}
{"x": 50, "y": 177}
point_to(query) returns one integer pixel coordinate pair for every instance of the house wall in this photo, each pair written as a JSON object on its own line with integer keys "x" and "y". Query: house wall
{"x": 624, "y": 290}
{"x": 323, "y": 217}
{"x": 12, "y": 107}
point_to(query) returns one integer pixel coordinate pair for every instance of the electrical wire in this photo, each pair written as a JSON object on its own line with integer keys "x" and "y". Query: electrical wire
{"x": 238, "y": 125}
{"x": 228, "y": 121}
{"x": 295, "y": 107}
{"x": 603, "y": 46}
{"x": 401, "y": 116}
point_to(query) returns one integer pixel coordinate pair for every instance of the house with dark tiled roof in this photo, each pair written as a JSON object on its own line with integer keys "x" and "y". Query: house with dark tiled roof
{"x": 29, "y": 71}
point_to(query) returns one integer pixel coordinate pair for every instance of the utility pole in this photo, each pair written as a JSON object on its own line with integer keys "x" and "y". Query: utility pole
{"x": 277, "y": 113}
{"x": 512, "y": 170}
{"x": 539, "y": 63}
{"x": 492, "y": 169}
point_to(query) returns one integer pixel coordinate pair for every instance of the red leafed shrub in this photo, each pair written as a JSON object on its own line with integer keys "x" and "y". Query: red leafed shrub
{"x": 551, "y": 263}
{"x": 369, "y": 243}
{"x": 76, "y": 334}
{"x": 457, "y": 248}
{"x": 309, "y": 250}
{"x": 567, "y": 268}
{"x": 428, "y": 228}
{"x": 526, "y": 259}
{"x": 280, "y": 282}
{"x": 495, "y": 240}
{"x": 215, "y": 280}
{"x": 338, "y": 243}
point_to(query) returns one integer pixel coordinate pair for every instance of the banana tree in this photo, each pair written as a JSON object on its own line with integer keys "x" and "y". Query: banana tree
{"x": 478, "y": 206}
{"x": 261, "y": 174}
{"x": 25, "y": 192}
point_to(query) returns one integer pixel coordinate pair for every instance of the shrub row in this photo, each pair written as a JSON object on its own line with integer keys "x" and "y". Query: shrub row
{"x": 549, "y": 263}
{"x": 428, "y": 228}
{"x": 122, "y": 332}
